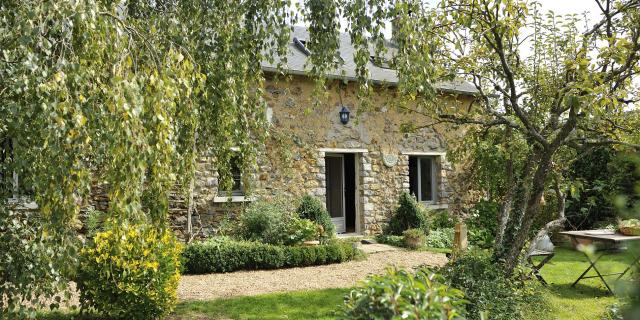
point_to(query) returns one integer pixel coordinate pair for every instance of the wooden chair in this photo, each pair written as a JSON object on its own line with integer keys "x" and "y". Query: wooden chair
{"x": 535, "y": 268}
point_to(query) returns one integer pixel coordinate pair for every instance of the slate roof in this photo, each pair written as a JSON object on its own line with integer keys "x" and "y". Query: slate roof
{"x": 296, "y": 60}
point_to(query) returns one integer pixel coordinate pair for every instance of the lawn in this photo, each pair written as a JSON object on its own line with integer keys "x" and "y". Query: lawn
{"x": 319, "y": 304}
{"x": 588, "y": 300}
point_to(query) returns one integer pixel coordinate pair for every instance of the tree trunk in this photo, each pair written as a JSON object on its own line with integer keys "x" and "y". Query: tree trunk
{"x": 555, "y": 224}
{"x": 190, "y": 206}
{"x": 505, "y": 209}
{"x": 526, "y": 206}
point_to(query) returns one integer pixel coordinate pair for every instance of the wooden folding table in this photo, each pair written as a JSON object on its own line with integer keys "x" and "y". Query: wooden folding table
{"x": 603, "y": 236}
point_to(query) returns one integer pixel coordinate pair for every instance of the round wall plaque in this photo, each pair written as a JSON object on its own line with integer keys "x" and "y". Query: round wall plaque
{"x": 389, "y": 160}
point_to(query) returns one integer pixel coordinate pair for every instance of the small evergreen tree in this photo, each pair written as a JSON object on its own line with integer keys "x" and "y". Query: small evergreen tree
{"x": 312, "y": 209}
{"x": 408, "y": 215}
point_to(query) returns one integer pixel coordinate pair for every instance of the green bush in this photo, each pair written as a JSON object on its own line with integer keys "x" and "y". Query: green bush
{"x": 408, "y": 215}
{"x": 441, "y": 219}
{"x": 485, "y": 286}
{"x": 311, "y": 208}
{"x": 299, "y": 230}
{"x": 273, "y": 222}
{"x": 130, "y": 271}
{"x": 223, "y": 254}
{"x": 413, "y": 238}
{"x": 483, "y": 224}
{"x": 402, "y": 295}
{"x": 396, "y": 241}
{"x": 440, "y": 238}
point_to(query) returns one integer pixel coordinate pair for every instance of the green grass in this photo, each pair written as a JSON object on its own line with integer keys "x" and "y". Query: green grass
{"x": 589, "y": 299}
{"x": 319, "y": 304}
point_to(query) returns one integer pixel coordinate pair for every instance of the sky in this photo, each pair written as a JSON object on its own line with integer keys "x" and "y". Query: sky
{"x": 588, "y": 7}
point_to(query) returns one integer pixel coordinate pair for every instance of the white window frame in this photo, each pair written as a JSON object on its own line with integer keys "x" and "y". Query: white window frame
{"x": 434, "y": 179}
{"x": 436, "y": 159}
{"x": 237, "y": 195}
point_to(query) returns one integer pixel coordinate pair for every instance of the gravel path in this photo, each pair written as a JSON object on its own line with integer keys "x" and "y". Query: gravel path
{"x": 248, "y": 283}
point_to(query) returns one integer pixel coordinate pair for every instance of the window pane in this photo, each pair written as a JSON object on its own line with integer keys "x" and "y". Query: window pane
{"x": 413, "y": 176}
{"x": 426, "y": 180}
{"x": 236, "y": 176}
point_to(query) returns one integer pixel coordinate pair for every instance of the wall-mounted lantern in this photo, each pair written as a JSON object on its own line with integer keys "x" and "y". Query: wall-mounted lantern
{"x": 344, "y": 115}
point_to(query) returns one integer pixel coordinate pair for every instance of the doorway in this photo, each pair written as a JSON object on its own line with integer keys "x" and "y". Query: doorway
{"x": 341, "y": 191}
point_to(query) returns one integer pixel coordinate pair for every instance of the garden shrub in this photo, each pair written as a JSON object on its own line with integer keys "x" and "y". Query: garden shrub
{"x": 311, "y": 208}
{"x": 130, "y": 271}
{"x": 440, "y": 238}
{"x": 483, "y": 224}
{"x": 396, "y": 241}
{"x": 223, "y": 254}
{"x": 299, "y": 230}
{"x": 273, "y": 222}
{"x": 409, "y": 214}
{"x": 413, "y": 238}
{"x": 440, "y": 219}
{"x": 485, "y": 286}
{"x": 400, "y": 294}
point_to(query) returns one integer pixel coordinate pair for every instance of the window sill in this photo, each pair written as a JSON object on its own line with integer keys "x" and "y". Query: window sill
{"x": 238, "y": 198}
{"x": 23, "y": 203}
{"x": 431, "y": 205}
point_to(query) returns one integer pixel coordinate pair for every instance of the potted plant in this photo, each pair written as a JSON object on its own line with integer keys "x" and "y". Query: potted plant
{"x": 413, "y": 238}
{"x": 630, "y": 227}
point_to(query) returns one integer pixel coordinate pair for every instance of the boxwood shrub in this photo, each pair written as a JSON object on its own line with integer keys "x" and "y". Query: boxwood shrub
{"x": 222, "y": 254}
{"x": 400, "y": 294}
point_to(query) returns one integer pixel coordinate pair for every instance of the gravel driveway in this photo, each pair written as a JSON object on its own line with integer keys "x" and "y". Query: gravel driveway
{"x": 247, "y": 283}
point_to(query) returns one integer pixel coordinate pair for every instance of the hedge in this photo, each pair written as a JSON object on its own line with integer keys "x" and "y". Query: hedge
{"x": 226, "y": 255}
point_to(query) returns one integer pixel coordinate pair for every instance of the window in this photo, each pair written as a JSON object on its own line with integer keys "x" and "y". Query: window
{"x": 6, "y": 176}
{"x": 422, "y": 178}
{"x": 236, "y": 178}
{"x": 381, "y": 62}
{"x": 301, "y": 45}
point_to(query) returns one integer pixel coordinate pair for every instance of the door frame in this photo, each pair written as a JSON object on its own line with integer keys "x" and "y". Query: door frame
{"x": 342, "y": 187}
{"x": 357, "y": 158}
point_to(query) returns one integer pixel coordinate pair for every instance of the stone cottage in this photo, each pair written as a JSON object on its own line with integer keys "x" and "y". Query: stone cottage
{"x": 357, "y": 163}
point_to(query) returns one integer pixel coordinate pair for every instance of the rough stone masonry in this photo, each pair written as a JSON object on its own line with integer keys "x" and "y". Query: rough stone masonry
{"x": 292, "y": 161}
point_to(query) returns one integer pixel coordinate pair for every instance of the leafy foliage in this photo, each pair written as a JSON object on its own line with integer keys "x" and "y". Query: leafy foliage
{"x": 311, "y": 208}
{"x": 409, "y": 214}
{"x": 441, "y": 219}
{"x": 440, "y": 238}
{"x": 400, "y": 294}
{"x": 222, "y": 254}
{"x": 273, "y": 222}
{"x": 131, "y": 271}
{"x": 483, "y": 224}
{"x": 116, "y": 92}
{"x": 27, "y": 252}
{"x": 485, "y": 286}
{"x": 397, "y": 241}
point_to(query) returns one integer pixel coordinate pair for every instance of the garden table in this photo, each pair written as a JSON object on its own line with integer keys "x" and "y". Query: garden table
{"x": 603, "y": 236}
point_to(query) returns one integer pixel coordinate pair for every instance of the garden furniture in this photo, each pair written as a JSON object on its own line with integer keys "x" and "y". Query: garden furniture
{"x": 535, "y": 268}
{"x": 614, "y": 241}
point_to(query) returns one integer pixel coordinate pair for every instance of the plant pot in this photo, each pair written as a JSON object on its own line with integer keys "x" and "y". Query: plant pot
{"x": 630, "y": 231}
{"x": 413, "y": 243}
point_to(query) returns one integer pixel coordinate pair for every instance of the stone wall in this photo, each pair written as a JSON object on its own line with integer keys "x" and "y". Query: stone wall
{"x": 292, "y": 162}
